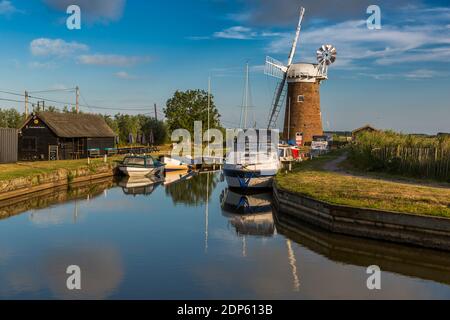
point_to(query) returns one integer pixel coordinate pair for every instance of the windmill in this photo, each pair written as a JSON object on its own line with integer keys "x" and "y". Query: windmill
{"x": 303, "y": 116}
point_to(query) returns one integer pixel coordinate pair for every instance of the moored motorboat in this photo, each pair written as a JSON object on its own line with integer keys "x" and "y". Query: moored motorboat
{"x": 245, "y": 171}
{"x": 172, "y": 164}
{"x": 141, "y": 165}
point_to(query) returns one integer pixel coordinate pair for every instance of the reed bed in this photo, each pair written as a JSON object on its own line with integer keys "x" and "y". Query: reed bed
{"x": 410, "y": 155}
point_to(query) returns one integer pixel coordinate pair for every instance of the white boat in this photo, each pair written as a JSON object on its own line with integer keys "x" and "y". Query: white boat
{"x": 139, "y": 166}
{"x": 172, "y": 164}
{"x": 250, "y": 171}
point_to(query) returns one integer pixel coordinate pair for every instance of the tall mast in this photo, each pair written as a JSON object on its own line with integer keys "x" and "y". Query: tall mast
{"x": 244, "y": 110}
{"x": 246, "y": 96}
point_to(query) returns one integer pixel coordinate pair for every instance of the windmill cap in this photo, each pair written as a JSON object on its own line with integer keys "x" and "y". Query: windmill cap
{"x": 305, "y": 72}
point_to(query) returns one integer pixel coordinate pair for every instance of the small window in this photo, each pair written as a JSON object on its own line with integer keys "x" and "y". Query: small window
{"x": 301, "y": 98}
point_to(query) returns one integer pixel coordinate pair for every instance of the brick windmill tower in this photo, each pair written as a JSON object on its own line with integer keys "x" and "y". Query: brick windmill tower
{"x": 303, "y": 117}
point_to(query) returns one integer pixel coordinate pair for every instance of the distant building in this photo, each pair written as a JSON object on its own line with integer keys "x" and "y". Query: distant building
{"x": 63, "y": 136}
{"x": 366, "y": 128}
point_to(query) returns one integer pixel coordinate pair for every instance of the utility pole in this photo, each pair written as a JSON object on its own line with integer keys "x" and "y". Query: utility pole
{"x": 26, "y": 104}
{"x": 43, "y": 105}
{"x": 156, "y": 114}
{"x": 77, "y": 91}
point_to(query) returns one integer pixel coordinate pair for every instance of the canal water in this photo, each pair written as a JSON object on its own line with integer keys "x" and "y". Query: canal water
{"x": 189, "y": 237}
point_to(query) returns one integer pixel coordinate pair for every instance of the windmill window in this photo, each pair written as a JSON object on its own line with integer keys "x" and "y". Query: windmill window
{"x": 301, "y": 98}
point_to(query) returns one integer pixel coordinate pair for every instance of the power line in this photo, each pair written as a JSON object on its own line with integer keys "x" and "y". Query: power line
{"x": 81, "y": 105}
{"x": 12, "y": 100}
{"x": 54, "y": 90}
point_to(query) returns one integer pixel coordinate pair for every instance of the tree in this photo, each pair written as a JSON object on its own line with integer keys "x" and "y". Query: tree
{"x": 11, "y": 118}
{"x": 184, "y": 108}
{"x": 125, "y": 125}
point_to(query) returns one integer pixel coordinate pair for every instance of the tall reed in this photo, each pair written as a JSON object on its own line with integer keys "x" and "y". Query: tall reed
{"x": 412, "y": 155}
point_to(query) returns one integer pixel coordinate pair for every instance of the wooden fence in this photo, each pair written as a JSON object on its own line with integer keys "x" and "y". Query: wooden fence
{"x": 432, "y": 162}
{"x": 8, "y": 145}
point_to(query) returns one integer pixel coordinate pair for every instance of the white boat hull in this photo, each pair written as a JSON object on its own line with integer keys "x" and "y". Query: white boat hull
{"x": 174, "y": 164}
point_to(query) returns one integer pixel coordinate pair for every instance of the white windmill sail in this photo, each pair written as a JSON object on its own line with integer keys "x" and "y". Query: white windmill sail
{"x": 276, "y": 69}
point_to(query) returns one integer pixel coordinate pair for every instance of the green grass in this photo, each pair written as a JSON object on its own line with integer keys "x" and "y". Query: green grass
{"x": 32, "y": 169}
{"x": 310, "y": 179}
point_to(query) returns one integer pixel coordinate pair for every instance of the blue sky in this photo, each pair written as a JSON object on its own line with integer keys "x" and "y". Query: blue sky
{"x": 131, "y": 54}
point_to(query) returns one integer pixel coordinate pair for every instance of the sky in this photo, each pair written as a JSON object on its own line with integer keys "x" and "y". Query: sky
{"x": 130, "y": 54}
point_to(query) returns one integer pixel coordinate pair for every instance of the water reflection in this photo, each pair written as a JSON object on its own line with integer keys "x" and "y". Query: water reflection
{"x": 51, "y": 197}
{"x": 101, "y": 273}
{"x": 172, "y": 177}
{"x": 139, "y": 185}
{"x": 194, "y": 191}
{"x": 219, "y": 244}
{"x": 249, "y": 214}
{"x": 405, "y": 260}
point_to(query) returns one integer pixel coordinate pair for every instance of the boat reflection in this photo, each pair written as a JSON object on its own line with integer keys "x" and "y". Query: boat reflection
{"x": 171, "y": 177}
{"x": 249, "y": 214}
{"x": 139, "y": 185}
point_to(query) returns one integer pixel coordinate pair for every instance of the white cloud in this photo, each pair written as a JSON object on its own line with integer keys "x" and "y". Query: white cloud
{"x": 55, "y": 47}
{"x": 389, "y": 45}
{"x": 422, "y": 74}
{"x": 124, "y": 75}
{"x": 7, "y": 8}
{"x": 112, "y": 60}
{"x": 419, "y": 74}
{"x": 441, "y": 55}
{"x": 237, "y": 32}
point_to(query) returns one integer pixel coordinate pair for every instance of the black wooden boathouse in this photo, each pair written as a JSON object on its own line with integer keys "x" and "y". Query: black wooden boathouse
{"x": 63, "y": 136}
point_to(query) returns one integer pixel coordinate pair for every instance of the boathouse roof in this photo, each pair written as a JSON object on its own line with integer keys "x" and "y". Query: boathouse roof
{"x": 72, "y": 125}
{"x": 367, "y": 127}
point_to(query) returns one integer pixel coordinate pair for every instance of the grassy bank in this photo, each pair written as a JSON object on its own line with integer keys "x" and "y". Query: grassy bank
{"x": 311, "y": 179}
{"x": 31, "y": 169}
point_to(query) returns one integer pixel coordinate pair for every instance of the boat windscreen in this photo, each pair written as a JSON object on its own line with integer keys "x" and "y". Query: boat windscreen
{"x": 134, "y": 161}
